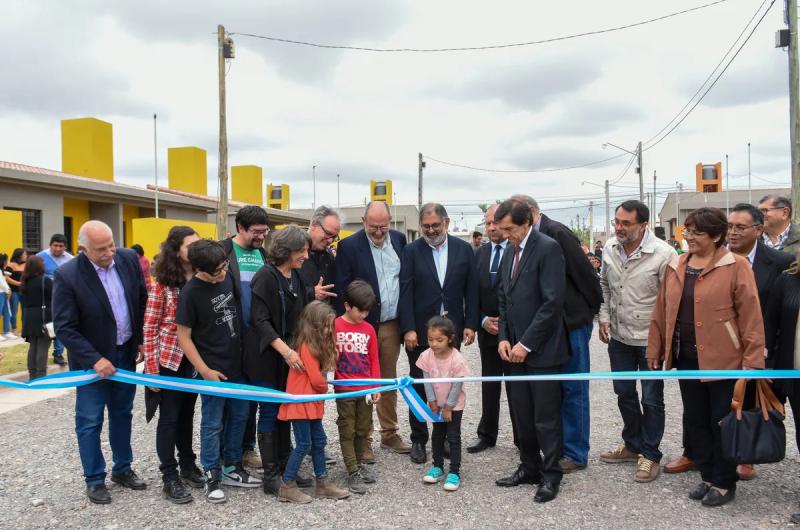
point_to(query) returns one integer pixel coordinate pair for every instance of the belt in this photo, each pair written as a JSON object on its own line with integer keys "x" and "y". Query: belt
{"x": 387, "y": 321}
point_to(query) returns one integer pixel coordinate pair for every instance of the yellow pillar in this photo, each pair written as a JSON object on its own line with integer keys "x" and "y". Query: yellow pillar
{"x": 278, "y": 196}
{"x": 246, "y": 184}
{"x": 11, "y": 234}
{"x": 78, "y": 211}
{"x": 381, "y": 190}
{"x": 129, "y": 213}
{"x": 151, "y": 232}
{"x": 187, "y": 169}
{"x": 87, "y": 148}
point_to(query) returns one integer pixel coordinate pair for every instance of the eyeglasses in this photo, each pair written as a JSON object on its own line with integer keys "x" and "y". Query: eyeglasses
{"x": 740, "y": 228}
{"x": 383, "y": 229}
{"x": 431, "y": 226}
{"x": 693, "y": 233}
{"x": 624, "y": 224}
{"x": 330, "y": 235}
{"x": 765, "y": 210}
{"x": 257, "y": 233}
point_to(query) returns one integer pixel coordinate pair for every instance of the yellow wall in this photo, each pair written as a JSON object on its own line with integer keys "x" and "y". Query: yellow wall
{"x": 246, "y": 184}
{"x": 11, "y": 234}
{"x": 187, "y": 169}
{"x": 283, "y": 202}
{"x": 151, "y": 232}
{"x": 129, "y": 213}
{"x": 78, "y": 209}
{"x": 87, "y": 148}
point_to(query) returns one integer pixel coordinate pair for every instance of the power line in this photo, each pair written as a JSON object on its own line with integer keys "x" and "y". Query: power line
{"x": 719, "y": 76}
{"x": 481, "y": 48}
{"x": 546, "y": 170}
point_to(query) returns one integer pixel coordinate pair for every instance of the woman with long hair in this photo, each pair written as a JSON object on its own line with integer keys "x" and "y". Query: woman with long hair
{"x": 13, "y": 271}
{"x": 5, "y": 298}
{"x": 37, "y": 290}
{"x": 164, "y": 356}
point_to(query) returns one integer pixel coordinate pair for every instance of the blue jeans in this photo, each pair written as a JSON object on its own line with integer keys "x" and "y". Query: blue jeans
{"x": 575, "y": 397}
{"x": 642, "y": 427}
{"x": 267, "y": 412}
{"x": 213, "y": 410}
{"x": 58, "y": 348}
{"x": 14, "y": 308}
{"x": 90, "y": 404}
{"x": 309, "y": 437}
{"x": 5, "y": 312}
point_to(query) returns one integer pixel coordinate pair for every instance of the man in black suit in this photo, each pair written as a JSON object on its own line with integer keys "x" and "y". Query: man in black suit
{"x": 533, "y": 339}
{"x": 98, "y": 311}
{"x": 437, "y": 277}
{"x": 582, "y": 300}
{"x": 487, "y": 262}
{"x": 373, "y": 254}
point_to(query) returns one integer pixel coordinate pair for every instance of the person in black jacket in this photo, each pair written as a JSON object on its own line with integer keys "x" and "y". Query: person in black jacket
{"x": 533, "y": 340}
{"x": 37, "y": 296}
{"x": 279, "y": 296}
{"x": 319, "y": 269}
{"x": 582, "y": 301}
{"x": 488, "y": 260}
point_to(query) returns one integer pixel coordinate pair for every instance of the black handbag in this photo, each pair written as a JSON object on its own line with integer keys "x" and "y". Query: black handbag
{"x": 755, "y": 436}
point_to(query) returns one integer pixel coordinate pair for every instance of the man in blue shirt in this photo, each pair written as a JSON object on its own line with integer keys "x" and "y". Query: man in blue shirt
{"x": 53, "y": 257}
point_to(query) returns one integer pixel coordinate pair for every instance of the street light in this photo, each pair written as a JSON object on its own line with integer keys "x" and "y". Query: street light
{"x": 640, "y": 169}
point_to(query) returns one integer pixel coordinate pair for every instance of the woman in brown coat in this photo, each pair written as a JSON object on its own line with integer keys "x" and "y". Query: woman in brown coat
{"x": 707, "y": 317}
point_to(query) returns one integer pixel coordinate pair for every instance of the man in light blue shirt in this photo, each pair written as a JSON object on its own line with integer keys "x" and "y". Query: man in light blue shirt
{"x": 54, "y": 257}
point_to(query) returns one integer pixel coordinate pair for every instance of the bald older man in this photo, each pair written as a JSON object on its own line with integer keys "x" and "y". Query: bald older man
{"x": 98, "y": 310}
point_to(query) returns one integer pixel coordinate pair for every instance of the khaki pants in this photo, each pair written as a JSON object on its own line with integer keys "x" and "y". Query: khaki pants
{"x": 355, "y": 426}
{"x": 388, "y": 354}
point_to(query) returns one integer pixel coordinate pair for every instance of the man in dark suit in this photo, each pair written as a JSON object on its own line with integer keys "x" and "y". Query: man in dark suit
{"x": 436, "y": 277}
{"x": 582, "y": 300}
{"x": 98, "y": 311}
{"x": 374, "y": 255}
{"x": 533, "y": 339}
{"x": 487, "y": 262}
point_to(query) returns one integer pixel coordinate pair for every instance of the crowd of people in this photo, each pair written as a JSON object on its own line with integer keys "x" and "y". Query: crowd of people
{"x": 280, "y": 310}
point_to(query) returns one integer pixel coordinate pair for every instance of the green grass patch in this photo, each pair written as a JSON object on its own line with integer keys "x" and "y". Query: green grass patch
{"x": 15, "y": 358}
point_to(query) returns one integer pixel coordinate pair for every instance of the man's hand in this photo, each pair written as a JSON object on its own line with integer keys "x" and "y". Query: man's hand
{"x": 518, "y": 353}
{"x": 604, "y": 331}
{"x": 140, "y": 355}
{"x": 504, "y": 349}
{"x": 410, "y": 340}
{"x": 154, "y": 389}
{"x": 469, "y": 336}
{"x": 654, "y": 364}
{"x": 491, "y": 325}
{"x": 447, "y": 413}
{"x": 104, "y": 368}
{"x": 213, "y": 375}
{"x": 321, "y": 292}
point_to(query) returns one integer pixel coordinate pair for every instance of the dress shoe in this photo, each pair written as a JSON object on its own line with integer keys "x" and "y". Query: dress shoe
{"x": 715, "y": 498}
{"x": 418, "y": 453}
{"x": 520, "y": 476}
{"x": 129, "y": 480}
{"x": 394, "y": 443}
{"x": 746, "y": 471}
{"x": 478, "y": 446}
{"x": 175, "y": 492}
{"x": 795, "y": 517}
{"x": 699, "y": 491}
{"x": 546, "y": 492}
{"x": 98, "y": 494}
{"x": 681, "y": 465}
{"x": 59, "y": 360}
{"x": 568, "y": 465}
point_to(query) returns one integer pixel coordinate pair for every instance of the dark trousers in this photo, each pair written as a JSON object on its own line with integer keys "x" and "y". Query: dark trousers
{"x": 536, "y": 415}
{"x": 37, "y": 356}
{"x": 704, "y": 405}
{"x": 355, "y": 427}
{"x": 491, "y": 365}
{"x": 249, "y": 440}
{"x": 91, "y": 402}
{"x": 175, "y": 422}
{"x": 419, "y": 429}
{"x": 643, "y": 427}
{"x": 449, "y": 431}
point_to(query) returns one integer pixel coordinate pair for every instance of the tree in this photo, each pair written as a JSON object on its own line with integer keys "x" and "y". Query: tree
{"x": 583, "y": 235}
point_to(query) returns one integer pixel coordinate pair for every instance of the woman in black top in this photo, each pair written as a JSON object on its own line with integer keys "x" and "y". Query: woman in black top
{"x": 38, "y": 295}
{"x": 279, "y": 297}
{"x": 13, "y": 272}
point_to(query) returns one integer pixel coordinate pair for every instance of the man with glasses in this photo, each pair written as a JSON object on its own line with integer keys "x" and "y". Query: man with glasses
{"x": 780, "y": 232}
{"x": 373, "y": 255}
{"x": 437, "y": 277}
{"x": 318, "y": 270}
{"x": 246, "y": 255}
{"x": 633, "y": 269}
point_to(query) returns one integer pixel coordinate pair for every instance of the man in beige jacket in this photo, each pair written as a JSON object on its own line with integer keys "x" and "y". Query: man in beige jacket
{"x": 633, "y": 268}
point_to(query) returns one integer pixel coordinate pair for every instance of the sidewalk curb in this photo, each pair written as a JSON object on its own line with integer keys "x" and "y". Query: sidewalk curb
{"x": 23, "y": 375}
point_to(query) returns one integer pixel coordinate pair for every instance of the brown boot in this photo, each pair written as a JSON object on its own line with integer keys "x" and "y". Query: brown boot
{"x": 394, "y": 443}
{"x": 681, "y": 465}
{"x": 328, "y": 490}
{"x": 289, "y": 492}
{"x": 369, "y": 455}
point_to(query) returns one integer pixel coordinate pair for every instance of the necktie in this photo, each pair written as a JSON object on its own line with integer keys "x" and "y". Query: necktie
{"x": 495, "y": 264}
{"x": 515, "y": 265}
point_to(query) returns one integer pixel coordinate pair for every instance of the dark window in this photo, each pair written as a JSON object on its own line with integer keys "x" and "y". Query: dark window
{"x": 68, "y": 233}
{"x": 31, "y": 228}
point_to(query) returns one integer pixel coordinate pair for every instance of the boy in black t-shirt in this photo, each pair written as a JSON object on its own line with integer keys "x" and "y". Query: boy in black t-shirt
{"x": 209, "y": 333}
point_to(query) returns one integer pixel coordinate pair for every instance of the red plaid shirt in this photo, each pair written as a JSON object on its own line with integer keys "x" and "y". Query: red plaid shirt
{"x": 160, "y": 331}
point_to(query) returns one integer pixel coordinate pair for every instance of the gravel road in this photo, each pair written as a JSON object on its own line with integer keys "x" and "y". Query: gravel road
{"x": 41, "y": 484}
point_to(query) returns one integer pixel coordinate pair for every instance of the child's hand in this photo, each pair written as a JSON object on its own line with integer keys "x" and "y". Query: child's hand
{"x": 376, "y": 397}
{"x": 434, "y": 406}
{"x": 447, "y": 413}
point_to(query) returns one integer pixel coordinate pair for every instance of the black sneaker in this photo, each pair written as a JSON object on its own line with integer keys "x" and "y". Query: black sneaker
{"x": 212, "y": 490}
{"x": 236, "y": 475}
{"x": 175, "y": 492}
{"x": 59, "y": 360}
{"x": 193, "y": 477}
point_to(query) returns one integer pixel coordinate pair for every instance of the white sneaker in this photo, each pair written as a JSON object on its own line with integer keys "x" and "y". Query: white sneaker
{"x": 238, "y": 477}
{"x": 2, "y": 338}
{"x": 10, "y": 336}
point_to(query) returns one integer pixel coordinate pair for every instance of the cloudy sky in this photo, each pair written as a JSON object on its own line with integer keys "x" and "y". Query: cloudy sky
{"x": 366, "y": 115}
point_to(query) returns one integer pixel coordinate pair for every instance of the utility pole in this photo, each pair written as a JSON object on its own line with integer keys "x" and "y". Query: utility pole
{"x": 794, "y": 106}
{"x": 419, "y": 184}
{"x": 727, "y": 188}
{"x": 678, "y": 209}
{"x": 224, "y": 51}
{"x": 591, "y": 223}
{"x": 155, "y": 157}
{"x": 653, "y": 211}
{"x": 608, "y": 209}
{"x": 749, "y": 185}
{"x": 338, "y": 194}
{"x": 314, "y": 185}
{"x": 641, "y": 171}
